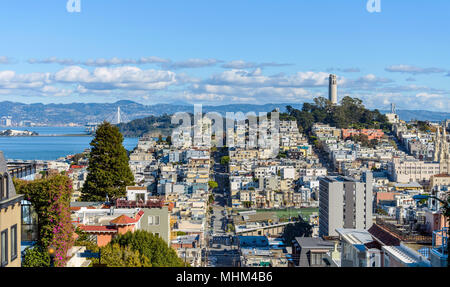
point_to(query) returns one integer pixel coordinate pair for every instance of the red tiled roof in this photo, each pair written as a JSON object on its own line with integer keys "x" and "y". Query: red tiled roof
{"x": 139, "y": 215}
{"x": 123, "y": 220}
{"x": 77, "y": 166}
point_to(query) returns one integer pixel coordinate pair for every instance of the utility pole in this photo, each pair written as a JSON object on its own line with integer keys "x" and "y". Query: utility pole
{"x": 185, "y": 256}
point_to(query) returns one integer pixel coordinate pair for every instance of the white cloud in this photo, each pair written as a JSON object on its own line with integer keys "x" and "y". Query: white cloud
{"x": 127, "y": 77}
{"x": 240, "y": 64}
{"x": 257, "y": 79}
{"x": 413, "y": 69}
{"x": 115, "y": 61}
{"x": 191, "y": 63}
{"x": 72, "y": 74}
{"x": 203, "y": 97}
{"x": 6, "y": 60}
{"x": 345, "y": 70}
{"x": 115, "y": 81}
{"x": 52, "y": 60}
{"x": 11, "y": 80}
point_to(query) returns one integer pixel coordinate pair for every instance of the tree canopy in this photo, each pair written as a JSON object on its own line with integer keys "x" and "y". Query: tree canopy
{"x": 109, "y": 172}
{"x": 351, "y": 113}
{"x": 153, "y": 250}
{"x": 225, "y": 160}
{"x": 298, "y": 229}
{"x": 213, "y": 184}
{"x": 153, "y": 124}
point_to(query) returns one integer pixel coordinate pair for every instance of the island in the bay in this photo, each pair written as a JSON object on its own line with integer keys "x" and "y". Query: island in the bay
{"x": 16, "y": 133}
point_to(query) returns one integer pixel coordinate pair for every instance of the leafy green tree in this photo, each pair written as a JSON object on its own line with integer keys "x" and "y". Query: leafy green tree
{"x": 211, "y": 198}
{"x": 36, "y": 257}
{"x": 298, "y": 229}
{"x": 160, "y": 139}
{"x": 76, "y": 158}
{"x": 109, "y": 172}
{"x": 114, "y": 255}
{"x": 169, "y": 140}
{"x": 381, "y": 211}
{"x": 151, "y": 247}
{"x": 225, "y": 160}
{"x": 149, "y": 125}
{"x": 212, "y": 184}
{"x": 423, "y": 126}
{"x": 350, "y": 113}
{"x": 282, "y": 155}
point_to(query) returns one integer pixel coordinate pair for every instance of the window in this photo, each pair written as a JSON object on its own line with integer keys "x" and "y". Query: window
{"x": 4, "y": 248}
{"x": 13, "y": 242}
{"x": 140, "y": 197}
{"x": 153, "y": 220}
{"x": 5, "y": 184}
{"x": 316, "y": 258}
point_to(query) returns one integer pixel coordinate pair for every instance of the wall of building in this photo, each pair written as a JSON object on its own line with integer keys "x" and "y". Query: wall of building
{"x": 163, "y": 228}
{"x": 9, "y": 217}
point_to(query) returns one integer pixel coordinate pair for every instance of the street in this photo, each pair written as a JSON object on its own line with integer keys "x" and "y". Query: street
{"x": 220, "y": 251}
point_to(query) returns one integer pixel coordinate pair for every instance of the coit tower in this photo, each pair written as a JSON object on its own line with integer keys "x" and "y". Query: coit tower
{"x": 332, "y": 92}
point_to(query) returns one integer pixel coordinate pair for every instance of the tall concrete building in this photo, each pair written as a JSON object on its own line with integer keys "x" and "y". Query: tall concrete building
{"x": 345, "y": 202}
{"x": 332, "y": 90}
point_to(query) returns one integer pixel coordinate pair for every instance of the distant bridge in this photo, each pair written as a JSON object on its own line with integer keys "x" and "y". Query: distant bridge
{"x": 114, "y": 118}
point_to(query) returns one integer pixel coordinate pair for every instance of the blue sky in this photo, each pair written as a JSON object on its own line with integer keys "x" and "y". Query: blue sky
{"x": 220, "y": 52}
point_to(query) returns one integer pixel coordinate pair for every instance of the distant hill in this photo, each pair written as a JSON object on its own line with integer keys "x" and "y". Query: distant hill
{"x": 421, "y": 115}
{"x": 153, "y": 126}
{"x": 82, "y": 113}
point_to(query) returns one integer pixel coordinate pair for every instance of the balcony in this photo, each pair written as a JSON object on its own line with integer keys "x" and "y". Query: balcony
{"x": 151, "y": 203}
{"x": 440, "y": 242}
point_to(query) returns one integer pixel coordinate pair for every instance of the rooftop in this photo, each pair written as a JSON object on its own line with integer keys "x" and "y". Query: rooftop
{"x": 98, "y": 228}
{"x": 355, "y": 237}
{"x": 405, "y": 254}
{"x": 310, "y": 242}
{"x": 123, "y": 220}
{"x": 384, "y": 236}
{"x": 253, "y": 241}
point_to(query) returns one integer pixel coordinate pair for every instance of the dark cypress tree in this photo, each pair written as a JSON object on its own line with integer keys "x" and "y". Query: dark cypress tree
{"x": 169, "y": 140}
{"x": 109, "y": 172}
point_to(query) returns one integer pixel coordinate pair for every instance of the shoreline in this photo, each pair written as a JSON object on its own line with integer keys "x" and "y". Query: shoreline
{"x": 65, "y": 135}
